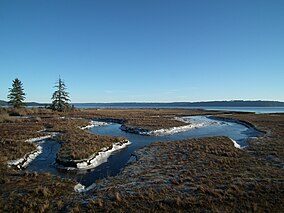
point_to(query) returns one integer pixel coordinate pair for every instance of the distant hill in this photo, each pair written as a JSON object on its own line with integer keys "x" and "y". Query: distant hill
{"x": 234, "y": 103}
{"x": 35, "y": 104}
{"x": 30, "y": 104}
{"x": 3, "y": 102}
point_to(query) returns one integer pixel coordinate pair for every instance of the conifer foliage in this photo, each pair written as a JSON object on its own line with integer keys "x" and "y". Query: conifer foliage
{"x": 60, "y": 97}
{"x": 16, "y": 94}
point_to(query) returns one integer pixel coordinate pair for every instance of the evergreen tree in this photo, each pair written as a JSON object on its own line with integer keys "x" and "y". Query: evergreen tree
{"x": 60, "y": 97}
{"x": 16, "y": 94}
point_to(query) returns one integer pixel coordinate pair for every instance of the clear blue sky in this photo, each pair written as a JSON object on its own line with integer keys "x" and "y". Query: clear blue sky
{"x": 144, "y": 50}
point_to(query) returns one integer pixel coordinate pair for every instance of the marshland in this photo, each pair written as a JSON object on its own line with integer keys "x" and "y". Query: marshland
{"x": 168, "y": 106}
{"x": 200, "y": 174}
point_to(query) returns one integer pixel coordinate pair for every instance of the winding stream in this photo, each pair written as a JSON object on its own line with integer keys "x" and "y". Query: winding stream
{"x": 45, "y": 162}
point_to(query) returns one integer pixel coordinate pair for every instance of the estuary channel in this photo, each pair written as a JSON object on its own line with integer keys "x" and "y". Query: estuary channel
{"x": 202, "y": 126}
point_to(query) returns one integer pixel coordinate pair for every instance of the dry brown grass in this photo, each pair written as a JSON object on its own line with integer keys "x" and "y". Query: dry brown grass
{"x": 271, "y": 146}
{"x": 197, "y": 175}
{"x": 80, "y": 144}
{"x": 26, "y": 111}
{"x": 6, "y": 118}
{"x": 40, "y": 192}
{"x": 13, "y": 137}
{"x": 33, "y": 192}
{"x": 76, "y": 143}
{"x": 150, "y": 119}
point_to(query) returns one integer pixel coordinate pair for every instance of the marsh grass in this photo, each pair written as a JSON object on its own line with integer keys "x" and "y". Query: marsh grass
{"x": 207, "y": 174}
{"x": 196, "y": 175}
{"x": 6, "y": 118}
{"x": 80, "y": 144}
{"x": 13, "y": 138}
{"x": 77, "y": 144}
{"x": 150, "y": 119}
{"x": 32, "y": 192}
{"x": 269, "y": 147}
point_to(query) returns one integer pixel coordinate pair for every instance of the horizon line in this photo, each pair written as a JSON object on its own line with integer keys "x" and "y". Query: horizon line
{"x": 156, "y": 102}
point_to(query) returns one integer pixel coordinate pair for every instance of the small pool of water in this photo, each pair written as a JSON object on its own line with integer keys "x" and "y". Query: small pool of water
{"x": 45, "y": 162}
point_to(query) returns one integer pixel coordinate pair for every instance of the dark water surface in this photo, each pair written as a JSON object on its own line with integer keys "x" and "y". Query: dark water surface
{"x": 45, "y": 162}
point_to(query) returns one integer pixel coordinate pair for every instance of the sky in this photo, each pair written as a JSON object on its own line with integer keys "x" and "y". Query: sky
{"x": 144, "y": 50}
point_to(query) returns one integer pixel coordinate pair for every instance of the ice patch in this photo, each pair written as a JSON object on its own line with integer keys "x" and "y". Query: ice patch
{"x": 235, "y": 144}
{"x": 183, "y": 119}
{"x": 24, "y": 161}
{"x": 193, "y": 121}
{"x": 205, "y": 121}
{"x": 41, "y": 138}
{"x": 81, "y": 188}
{"x": 174, "y": 130}
{"x": 95, "y": 123}
{"x": 102, "y": 156}
{"x": 97, "y": 158}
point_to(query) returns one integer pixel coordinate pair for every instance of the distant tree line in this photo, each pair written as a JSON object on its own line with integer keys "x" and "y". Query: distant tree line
{"x": 60, "y": 98}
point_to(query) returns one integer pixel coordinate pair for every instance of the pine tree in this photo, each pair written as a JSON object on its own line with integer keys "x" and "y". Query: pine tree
{"x": 16, "y": 94}
{"x": 60, "y": 97}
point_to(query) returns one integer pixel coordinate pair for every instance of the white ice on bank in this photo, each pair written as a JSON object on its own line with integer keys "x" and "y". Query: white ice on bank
{"x": 192, "y": 121}
{"x": 235, "y": 144}
{"x": 101, "y": 157}
{"x": 201, "y": 120}
{"x": 81, "y": 188}
{"x": 174, "y": 130}
{"x": 41, "y": 138}
{"x": 24, "y": 161}
{"x": 95, "y": 123}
